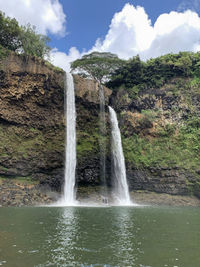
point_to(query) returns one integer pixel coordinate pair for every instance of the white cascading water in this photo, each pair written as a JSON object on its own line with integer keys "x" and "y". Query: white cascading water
{"x": 70, "y": 150}
{"x": 121, "y": 190}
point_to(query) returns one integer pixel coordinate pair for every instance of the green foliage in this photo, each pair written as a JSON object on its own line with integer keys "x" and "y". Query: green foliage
{"x": 98, "y": 66}
{"x": 168, "y": 149}
{"x": 54, "y": 68}
{"x": 133, "y": 91}
{"x": 195, "y": 82}
{"x": 28, "y": 142}
{"x": 166, "y": 131}
{"x": 129, "y": 75}
{"x": 22, "y": 39}
{"x": 150, "y": 114}
{"x": 9, "y": 33}
{"x": 3, "y": 52}
{"x": 23, "y": 180}
{"x": 32, "y": 43}
{"x": 136, "y": 75}
{"x": 87, "y": 144}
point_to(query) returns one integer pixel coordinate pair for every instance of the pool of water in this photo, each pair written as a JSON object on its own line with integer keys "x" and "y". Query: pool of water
{"x": 100, "y": 236}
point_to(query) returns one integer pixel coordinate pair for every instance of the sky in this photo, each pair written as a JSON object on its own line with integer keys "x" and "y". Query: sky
{"x": 149, "y": 28}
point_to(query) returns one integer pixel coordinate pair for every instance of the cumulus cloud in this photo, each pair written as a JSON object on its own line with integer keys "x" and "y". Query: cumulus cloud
{"x": 46, "y": 15}
{"x": 131, "y": 33}
{"x": 62, "y": 59}
{"x": 174, "y": 32}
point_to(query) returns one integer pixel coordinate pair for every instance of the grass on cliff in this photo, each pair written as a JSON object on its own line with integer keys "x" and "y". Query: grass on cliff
{"x": 169, "y": 149}
{"x": 25, "y": 142}
{"x": 87, "y": 144}
{"x": 25, "y": 180}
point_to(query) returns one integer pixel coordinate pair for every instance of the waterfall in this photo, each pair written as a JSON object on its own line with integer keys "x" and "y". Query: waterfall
{"x": 70, "y": 149}
{"x": 121, "y": 191}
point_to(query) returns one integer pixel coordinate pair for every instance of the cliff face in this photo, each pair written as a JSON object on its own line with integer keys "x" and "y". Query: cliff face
{"x": 87, "y": 108}
{"x": 31, "y": 120}
{"x": 160, "y": 130}
{"x": 32, "y": 123}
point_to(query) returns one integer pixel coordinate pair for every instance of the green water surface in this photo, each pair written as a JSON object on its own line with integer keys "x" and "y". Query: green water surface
{"x": 100, "y": 237}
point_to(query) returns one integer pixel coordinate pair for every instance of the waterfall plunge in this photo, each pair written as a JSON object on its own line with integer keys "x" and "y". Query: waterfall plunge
{"x": 121, "y": 191}
{"x": 70, "y": 151}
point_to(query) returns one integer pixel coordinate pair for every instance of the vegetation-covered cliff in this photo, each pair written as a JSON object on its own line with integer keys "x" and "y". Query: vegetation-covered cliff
{"x": 159, "y": 113}
{"x": 160, "y": 128}
{"x": 32, "y": 123}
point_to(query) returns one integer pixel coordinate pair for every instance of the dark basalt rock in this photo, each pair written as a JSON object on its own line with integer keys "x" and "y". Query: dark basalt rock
{"x": 163, "y": 180}
{"x": 32, "y": 129}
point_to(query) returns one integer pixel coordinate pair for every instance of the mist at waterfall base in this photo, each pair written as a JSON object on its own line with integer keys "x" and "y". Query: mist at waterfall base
{"x": 99, "y": 237}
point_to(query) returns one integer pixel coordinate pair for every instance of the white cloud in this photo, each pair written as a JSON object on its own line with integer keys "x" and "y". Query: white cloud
{"x": 46, "y": 15}
{"x": 174, "y": 32}
{"x": 131, "y": 33}
{"x": 62, "y": 59}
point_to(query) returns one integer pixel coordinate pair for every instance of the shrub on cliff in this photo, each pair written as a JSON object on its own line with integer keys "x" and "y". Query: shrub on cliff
{"x": 135, "y": 74}
{"x": 22, "y": 39}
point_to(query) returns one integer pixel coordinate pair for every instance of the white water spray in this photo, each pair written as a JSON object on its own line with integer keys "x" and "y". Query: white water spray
{"x": 121, "y": 191}
{"x": 70, "y": 150}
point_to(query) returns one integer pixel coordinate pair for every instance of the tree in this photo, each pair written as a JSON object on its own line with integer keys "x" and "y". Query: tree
{"x": 22, "y": 39}
{"x": 130, "y": 74}
{"x": 32, "y": 43}
{"x": 98, "y": 66}
{"x": 9, "y": 33}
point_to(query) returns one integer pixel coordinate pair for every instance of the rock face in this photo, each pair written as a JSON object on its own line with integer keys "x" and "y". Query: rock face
{"x": 160, "y": 130}
{"x": 31, "y": 120}
{"x": 87, "y": 108}
{"x": 32, "y": 123}
{"x": 21, "y": 193}
{"x": 32, "y": 130}
{"x": 159, "y": 180}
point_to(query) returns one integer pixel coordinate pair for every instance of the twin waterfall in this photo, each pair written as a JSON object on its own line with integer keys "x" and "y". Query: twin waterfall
{"x": 121, "y": 192}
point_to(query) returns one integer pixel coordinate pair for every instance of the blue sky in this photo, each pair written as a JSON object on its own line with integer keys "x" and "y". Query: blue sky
{"x": 88, "y": 20}
{"x": 149, "y": 28}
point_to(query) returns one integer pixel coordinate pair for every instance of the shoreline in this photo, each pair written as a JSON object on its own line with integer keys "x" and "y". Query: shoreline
{"x": 17, "y": 193}
{"x": 162, "y": 199}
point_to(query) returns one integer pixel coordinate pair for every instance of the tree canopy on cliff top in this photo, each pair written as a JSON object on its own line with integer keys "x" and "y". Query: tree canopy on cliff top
{"x": 135, "y": 74}
{"x": 98, "y": 66}
{"x": 22, "y": 39}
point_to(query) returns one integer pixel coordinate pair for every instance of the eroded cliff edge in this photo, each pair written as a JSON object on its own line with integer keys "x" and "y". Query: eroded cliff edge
{"x": 32, "y": 131}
